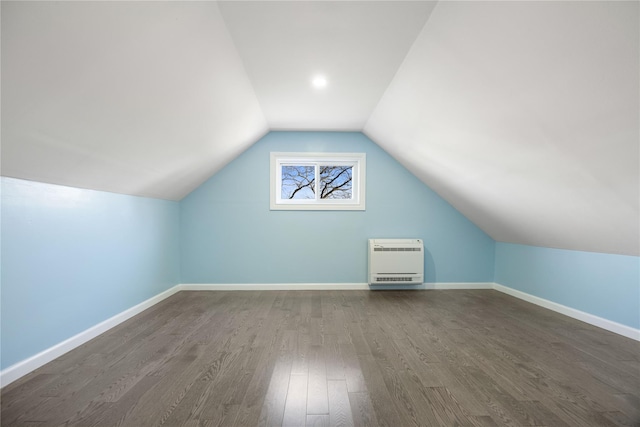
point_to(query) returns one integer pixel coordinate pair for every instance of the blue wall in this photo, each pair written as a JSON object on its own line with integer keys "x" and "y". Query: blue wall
{"x": 605, "y": 285}
{"x": 72, "y": 258}
{"x": 229, "y": 235}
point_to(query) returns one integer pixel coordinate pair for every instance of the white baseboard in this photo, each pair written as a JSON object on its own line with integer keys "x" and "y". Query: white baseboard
{"x": 443, "y": 286}
{"x": 600, "y": 322}
{"x": 23, "y": 367}
{"x": 591, "y": 319}
{"x": 272, "y": 286}
{"x": 324, "y": 286}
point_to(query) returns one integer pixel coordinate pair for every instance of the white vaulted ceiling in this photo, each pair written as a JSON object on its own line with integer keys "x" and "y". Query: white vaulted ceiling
{"x": 523, "y": 115}
{"x": 143, "y": 98}
{"x": 358, "y": 46}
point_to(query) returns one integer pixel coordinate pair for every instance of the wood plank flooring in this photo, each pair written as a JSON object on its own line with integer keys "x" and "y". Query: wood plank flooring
{"x": 338, "y": 358}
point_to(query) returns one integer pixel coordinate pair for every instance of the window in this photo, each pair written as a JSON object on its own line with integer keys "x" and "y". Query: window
{"x": 317, "y": 181}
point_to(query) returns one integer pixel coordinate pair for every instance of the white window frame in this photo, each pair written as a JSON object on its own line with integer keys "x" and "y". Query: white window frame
{"x": 356, "y": 160}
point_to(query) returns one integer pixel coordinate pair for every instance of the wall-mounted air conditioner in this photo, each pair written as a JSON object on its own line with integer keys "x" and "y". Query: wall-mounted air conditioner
{"x": 396, "y": 261}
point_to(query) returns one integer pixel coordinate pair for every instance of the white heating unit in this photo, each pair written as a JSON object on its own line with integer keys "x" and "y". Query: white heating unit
{"x": 396, "y": 261}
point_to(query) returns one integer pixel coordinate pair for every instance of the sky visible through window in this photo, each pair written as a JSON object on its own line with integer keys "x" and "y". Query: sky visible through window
{"x": 334, "y": 182}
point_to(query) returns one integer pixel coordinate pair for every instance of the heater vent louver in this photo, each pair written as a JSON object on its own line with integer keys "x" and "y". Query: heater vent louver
{"x": 396, "y": 261}
{"x": 394, "y": 279}
{"x": 378, "y": 249}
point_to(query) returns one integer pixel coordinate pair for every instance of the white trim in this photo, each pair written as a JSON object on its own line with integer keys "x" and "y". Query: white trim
{"x": 591, "y": 319}
{"x": 30, "y": 364}
{"x": 358, "y": 161}
{"x": 469, "y": 285}
{"x": 324, "y": 286}
{"x": 273, "y": 286}
{"x": 22, "y": 368}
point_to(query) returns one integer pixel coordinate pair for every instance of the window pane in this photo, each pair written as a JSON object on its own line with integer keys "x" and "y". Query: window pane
{"x": 298, "y": 182}
{"x": 336, "y": 182}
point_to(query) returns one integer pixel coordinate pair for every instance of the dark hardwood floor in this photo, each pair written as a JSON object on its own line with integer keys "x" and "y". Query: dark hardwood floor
{"x": 338, "y": 358}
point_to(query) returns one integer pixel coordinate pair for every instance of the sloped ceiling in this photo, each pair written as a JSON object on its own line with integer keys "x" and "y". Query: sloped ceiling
{"x": 137, "y": 98}
{"x": 357, "y": 45}
{"x": 523, "y": 115}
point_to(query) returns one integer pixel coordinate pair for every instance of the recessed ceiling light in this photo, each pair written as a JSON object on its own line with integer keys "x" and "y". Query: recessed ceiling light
{"x": 319, "y": 82}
